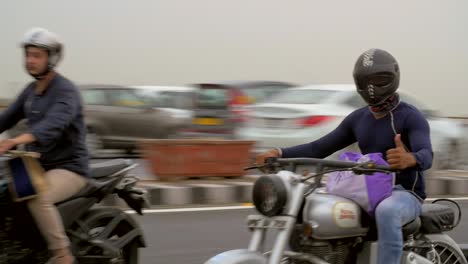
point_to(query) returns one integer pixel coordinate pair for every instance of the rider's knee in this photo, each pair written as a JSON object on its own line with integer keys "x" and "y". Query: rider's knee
{"x": 42, "y": 199}
{"x": 386, "y": 210}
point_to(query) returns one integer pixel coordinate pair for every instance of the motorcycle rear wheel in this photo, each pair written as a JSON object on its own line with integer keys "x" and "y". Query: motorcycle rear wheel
{"x": 129, "y": 253}
{"x": 447, "y": 254}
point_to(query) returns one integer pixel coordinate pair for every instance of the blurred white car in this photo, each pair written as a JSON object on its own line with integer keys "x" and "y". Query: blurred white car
{"x": 176, "y": 100}
{"x": 304, "y": 114}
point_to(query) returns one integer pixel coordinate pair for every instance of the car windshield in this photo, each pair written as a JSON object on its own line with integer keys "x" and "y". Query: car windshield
{"x": 149, "y": 95}
{"x": 213, "y": 98}
{"x": 302, "y": 96}
{"x": 127, "y": 98}
{"x": 262, "y": 93}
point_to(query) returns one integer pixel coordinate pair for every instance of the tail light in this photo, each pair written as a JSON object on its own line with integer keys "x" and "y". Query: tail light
{"x": 237, "y": 100}
{"x": 240, "y": 115}
{"x": 237, "y": 97}
{"x": 241, "y": 100}
{"x": 314, "y": 120}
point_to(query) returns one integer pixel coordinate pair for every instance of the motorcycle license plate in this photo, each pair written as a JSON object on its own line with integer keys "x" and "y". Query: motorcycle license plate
{"x": 260, "y": 221}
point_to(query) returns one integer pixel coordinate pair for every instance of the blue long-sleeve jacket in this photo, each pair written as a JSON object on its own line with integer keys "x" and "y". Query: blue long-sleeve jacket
{"x": 376, "y": 135}
{"x": 55, "y": 119}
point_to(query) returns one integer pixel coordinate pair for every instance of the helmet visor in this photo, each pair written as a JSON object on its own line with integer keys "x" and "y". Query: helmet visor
{"x": 380, "y": 79}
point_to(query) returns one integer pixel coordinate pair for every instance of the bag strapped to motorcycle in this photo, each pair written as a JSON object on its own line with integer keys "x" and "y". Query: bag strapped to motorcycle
{"x": 26, "y": 175}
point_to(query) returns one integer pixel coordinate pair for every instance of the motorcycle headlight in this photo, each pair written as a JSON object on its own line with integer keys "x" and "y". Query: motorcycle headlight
{"x": 269, "y": 195}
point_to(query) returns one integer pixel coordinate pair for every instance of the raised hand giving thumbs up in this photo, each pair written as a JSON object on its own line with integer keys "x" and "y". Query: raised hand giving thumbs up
{"x": 398, "y": 157}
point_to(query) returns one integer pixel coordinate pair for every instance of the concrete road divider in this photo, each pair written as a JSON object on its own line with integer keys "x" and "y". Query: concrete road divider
{"x": 200, "y": 192}
{"x": 458, "y": 185}
{"x": 224, "y": 192}
{"x": 447, "y": 182}
{"x": 437, "y": 185}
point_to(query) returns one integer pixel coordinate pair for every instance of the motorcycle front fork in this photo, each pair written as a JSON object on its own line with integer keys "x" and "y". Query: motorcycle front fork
{"x": 284, "y": 224}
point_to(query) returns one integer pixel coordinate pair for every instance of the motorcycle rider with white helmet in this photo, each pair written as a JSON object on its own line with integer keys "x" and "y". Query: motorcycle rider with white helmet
{"x": 53, "y": 108}
{"x": 386, "y": 125}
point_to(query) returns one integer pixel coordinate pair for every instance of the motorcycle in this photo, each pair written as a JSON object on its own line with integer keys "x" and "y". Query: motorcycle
{"x": 322, "y": 228}
{"x": 97, "y": 234}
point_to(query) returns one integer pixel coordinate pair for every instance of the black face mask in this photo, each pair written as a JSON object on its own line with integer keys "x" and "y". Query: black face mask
{"x": 388, "y": 105}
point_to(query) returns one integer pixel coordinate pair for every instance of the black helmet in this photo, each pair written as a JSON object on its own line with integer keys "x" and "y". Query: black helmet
{"x": 376, "y": 75}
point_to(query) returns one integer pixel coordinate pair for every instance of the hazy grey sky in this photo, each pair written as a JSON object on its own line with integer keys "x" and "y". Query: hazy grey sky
{"x": 304, "y": 41}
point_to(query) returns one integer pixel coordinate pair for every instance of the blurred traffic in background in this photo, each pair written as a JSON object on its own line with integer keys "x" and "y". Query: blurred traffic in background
{"x": 270, "y": 113}
{"x": 149, "y": 75}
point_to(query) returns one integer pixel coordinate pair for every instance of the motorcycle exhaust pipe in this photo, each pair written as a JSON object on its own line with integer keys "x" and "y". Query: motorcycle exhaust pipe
{"x": 413, "y": 258}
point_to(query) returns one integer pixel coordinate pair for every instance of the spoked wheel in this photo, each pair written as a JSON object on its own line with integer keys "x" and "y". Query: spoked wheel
{"x": 94, "y": 254}
{"x": 128, "y": 255}
{"x": 446, "y": 254}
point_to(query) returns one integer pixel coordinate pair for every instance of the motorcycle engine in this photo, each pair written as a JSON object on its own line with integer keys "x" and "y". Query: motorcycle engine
{"x": 12, "y": 251}
{"x": 333, "y": 252}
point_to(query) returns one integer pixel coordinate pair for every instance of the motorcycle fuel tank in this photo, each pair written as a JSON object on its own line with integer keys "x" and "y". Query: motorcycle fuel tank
{"x": 332, "y": 217}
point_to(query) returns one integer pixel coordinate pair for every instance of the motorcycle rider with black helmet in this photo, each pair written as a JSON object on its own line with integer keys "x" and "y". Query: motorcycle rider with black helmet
{"x": 387, "y": 125}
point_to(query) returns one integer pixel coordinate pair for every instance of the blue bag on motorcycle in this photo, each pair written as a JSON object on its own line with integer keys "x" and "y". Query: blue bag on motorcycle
{"x": 25, "y": 175}
{"x": 366, "y": 190}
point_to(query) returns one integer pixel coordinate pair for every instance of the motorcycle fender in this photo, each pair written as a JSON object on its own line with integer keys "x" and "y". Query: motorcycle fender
{"x": 136, "y": 198}
{"x": 448, "y": 240}
{"x": 238, "y": 256}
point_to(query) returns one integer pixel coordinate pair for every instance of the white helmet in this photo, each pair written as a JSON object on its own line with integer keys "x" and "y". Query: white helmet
{"x": 42, "y": 38}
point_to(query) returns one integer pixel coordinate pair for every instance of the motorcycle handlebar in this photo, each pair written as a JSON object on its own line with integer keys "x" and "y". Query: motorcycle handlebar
{"x": 20, "y": 153}
{"x": 328, "y": 163}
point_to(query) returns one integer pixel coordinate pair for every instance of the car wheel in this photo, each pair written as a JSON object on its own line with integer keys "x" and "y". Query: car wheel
{"x": 93, "y": 143}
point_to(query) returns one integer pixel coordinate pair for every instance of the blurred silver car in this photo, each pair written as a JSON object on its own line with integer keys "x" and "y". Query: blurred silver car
{"x": 118, "y": 116}
{"x": 179, "y": 101}
{"x": 220, "y": 106}
{"x": 303, "y": 114}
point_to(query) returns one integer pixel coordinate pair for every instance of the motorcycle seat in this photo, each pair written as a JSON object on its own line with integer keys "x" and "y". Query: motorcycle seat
{"x": 92, "y": 187}
{"x": 107, "y": 168}
{"x": 436, "y": 210}
{"x": 436, "y": 218}
{"x": 411, "y": 228}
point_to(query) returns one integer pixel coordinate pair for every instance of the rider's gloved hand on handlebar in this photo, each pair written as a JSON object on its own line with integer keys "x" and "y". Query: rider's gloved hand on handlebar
{"x": 260, "y": 159}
